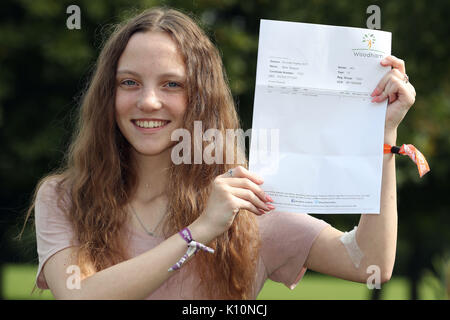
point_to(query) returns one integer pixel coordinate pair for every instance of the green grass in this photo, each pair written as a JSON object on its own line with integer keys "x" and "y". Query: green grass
{"x": 18, "y": 282}
{"x": 320, "y": 287}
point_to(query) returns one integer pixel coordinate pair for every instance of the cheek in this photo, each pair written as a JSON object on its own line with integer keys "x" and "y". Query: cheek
{"x": 179, "y": 106}
{"x": 121, "y": 112}
{"x": 123, "y": 104}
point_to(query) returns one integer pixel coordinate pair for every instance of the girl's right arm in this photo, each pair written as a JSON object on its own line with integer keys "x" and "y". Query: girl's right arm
{"x": 136, "y": 278}
{"x": 140, "y": 276}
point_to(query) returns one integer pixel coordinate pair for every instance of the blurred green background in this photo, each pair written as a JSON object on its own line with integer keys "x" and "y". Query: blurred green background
{"x": 45, "y": 66}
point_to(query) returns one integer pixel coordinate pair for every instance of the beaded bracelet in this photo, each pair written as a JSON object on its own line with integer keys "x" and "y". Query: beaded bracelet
{"x": 193, "y": 247}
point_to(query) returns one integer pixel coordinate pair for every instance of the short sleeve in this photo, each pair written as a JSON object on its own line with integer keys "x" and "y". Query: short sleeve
{"x": 53, "y": 230}
{"x": 286, "y": 239}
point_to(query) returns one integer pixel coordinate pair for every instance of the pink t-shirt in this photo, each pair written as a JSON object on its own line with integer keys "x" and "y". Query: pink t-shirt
{"x": 286, "y": 239}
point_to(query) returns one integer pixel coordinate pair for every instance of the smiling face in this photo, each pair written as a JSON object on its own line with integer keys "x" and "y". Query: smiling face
{"x": 151, "y": 96}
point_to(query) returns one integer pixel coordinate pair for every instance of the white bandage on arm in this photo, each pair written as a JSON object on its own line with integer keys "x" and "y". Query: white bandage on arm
{"x": 349, "y": 241}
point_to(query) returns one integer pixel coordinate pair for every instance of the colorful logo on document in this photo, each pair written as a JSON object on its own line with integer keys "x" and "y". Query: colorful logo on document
{"x": 368, "y": 51}
{"x": 369, "y": 39}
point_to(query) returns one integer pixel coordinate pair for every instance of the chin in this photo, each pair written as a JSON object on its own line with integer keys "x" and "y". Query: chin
{"x": 151, "y": 151}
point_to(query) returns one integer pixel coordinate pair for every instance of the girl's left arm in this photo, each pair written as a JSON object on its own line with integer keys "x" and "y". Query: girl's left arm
{"x": 376, "y": 235}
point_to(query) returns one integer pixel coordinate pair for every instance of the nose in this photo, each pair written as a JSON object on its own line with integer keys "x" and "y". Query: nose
{"x": 149, "y": 100}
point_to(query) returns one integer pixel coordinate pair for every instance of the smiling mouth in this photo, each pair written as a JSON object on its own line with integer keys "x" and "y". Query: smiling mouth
{"x": 149, "y": 124}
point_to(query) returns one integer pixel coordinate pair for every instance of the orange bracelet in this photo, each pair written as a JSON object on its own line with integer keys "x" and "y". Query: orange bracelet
{"x": 413, "y": 153}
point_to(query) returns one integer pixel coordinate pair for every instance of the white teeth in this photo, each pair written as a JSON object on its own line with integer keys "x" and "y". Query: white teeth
{"x": 150, "y": 124}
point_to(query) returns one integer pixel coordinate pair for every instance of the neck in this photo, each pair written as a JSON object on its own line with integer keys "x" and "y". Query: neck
{"x": 152, "y": 173}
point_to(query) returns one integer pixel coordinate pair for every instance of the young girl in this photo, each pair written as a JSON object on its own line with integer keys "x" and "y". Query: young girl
{"x": 122, "y": 212}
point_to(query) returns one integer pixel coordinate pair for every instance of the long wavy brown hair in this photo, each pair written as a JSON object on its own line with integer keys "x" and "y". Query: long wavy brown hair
{"x": 100, "y": 178}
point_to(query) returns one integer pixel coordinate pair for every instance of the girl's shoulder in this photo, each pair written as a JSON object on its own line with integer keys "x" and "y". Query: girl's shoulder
{"x": 50, "y": 185}
{"x": 52, "y": 192}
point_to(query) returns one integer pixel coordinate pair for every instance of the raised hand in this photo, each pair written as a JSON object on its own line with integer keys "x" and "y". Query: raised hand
{"x": 395, "y": 87}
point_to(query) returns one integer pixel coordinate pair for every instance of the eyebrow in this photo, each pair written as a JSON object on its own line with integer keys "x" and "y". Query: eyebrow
{"x": 127, "y": 71}
{"x": 167, "y": 74}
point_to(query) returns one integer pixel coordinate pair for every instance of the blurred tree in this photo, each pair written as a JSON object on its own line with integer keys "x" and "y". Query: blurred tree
{"x": 45, "y": 67}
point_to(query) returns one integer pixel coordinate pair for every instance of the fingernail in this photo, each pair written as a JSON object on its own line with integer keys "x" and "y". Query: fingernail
{"x": 268, "y": 198}
{"x": 375, "y": 99}
{"x": 262, "y": 211}
{"x": 271, "y": 207}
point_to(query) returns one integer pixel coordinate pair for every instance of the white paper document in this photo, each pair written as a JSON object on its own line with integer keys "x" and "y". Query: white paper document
{"x": 317, "y": 139}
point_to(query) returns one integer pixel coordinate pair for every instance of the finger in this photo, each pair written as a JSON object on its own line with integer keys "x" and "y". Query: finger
{"x": 382, "y": 83}
{"x": 250, "y": 185}
{"x": 381, "y": 97}
{"x": 392, "y": 90}
{"x": 389, "y": 91}
{"x": 396, "y": 89}
{"x": 381, "y": 86}
{"x": 241, "y": 172}
{"x": 395, "y": 63}
{"x": 247, "y": 205}
{"x": 248, "y": 195}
